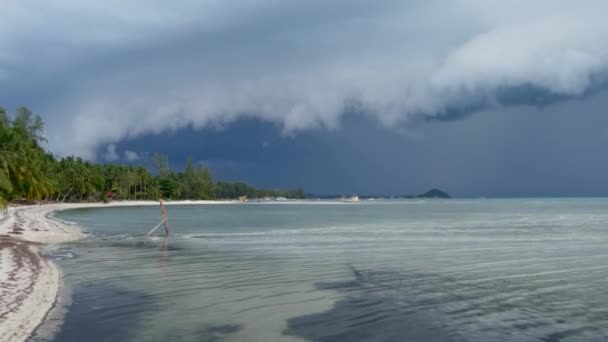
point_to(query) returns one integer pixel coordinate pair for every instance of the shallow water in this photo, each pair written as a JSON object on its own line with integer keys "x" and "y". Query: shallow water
{"x": 457, "y": 270}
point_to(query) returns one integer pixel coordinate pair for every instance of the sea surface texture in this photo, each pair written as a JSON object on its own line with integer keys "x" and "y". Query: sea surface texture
{"x": 417, "y": 270}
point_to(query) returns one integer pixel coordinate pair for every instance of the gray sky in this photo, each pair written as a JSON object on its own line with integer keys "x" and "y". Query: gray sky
{"x": 481, "y": 97}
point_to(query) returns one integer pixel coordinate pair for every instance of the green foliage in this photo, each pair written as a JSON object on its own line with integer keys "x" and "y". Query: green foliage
{"x": 22, "y": 160}
{"x": 197, "y": 183}
{"x": 161, "y": 161}
{"x": 228, "y": 190}
{"x": 231, "y": 190}
{"x": 28, "y": 173}
{"x": 169, "y": 186}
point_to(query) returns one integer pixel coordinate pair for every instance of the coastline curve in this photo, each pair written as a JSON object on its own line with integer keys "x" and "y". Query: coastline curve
{"x": 29, "y": 282}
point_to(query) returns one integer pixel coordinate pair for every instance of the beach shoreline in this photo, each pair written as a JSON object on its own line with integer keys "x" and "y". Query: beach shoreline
{"x": 30, "y": 282}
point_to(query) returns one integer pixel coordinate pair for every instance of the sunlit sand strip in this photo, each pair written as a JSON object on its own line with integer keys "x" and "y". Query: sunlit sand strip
{"x": 27, "y": 290}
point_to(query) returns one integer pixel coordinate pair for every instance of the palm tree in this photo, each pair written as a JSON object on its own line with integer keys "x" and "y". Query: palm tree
{"x": 153, "y": 190}
{"x": 21, "y": 161}
{"x": 142, "y": 178}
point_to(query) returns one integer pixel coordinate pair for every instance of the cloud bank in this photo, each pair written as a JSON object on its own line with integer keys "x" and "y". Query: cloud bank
{"x": 105, "y": 72}
{"x": 110, "y": 153}
{"x": 131, "y": 155}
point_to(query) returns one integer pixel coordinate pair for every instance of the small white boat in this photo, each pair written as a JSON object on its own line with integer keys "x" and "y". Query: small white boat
{"x": 351, "y": 199}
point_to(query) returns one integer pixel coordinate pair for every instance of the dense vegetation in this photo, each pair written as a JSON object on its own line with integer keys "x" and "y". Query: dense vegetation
{"x": 235, "y": 190}
{"x": 29, "y": 173}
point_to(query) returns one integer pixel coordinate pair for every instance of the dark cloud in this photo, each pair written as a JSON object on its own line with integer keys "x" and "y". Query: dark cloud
{"x": 554, "y": 150}
{"x": 342, "y": 96}
{"x": 105, "y": 72}
{"x": 522, "y": 95}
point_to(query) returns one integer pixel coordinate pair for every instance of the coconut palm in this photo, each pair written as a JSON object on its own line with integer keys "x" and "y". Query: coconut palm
{"x": 21, "y": 158}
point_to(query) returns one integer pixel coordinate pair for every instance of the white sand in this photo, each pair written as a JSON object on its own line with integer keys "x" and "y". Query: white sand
{"x": 29, "y": 283}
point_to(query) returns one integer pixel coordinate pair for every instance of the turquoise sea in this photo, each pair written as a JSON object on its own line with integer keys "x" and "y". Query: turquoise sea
{"x": 415, "y": 270}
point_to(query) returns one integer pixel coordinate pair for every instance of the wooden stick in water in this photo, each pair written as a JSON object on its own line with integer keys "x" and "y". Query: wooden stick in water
{"x": 155, "y": 227}
{"x": 164, "y": 217}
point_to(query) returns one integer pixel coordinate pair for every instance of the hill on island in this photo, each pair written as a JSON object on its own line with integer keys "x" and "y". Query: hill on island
{"x": 434, "y": 193}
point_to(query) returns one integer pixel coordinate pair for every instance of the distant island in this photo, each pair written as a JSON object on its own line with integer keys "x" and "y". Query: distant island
{"x": 433, "y": 193}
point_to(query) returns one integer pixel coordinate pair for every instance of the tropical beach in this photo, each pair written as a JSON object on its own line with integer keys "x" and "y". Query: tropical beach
{"x": 80, "y": 258}
{"x": 438, "y": 270}
{"x": 291, "y": 171}
{"x": 30, "y": 282}
{"x": 35, "y": 185}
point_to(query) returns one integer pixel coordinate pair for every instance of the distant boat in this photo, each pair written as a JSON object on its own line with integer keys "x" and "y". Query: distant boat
{"x": 351, "y": 199}
{"x": 280, "y": 198}
{"x": 371, "y": 199}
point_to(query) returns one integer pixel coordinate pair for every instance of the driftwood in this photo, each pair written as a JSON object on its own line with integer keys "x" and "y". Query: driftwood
{"x": 163, "y": 220}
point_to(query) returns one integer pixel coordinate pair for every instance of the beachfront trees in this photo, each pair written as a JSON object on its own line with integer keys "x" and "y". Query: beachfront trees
{"x": 21, "y": 157}
{"x": 196, "y": 182}
{"x": 142, "y": 178}
{"x": 29, "y": 173}
{"x": 29, "y": 125}
{"x": 234, "y": 190}
{"x": 170, "y": 187}
{"x": 229, "y": 190}
{"x": 78, "y": 179}
{"x": 152, "y": 189}
{"x": 161, "y": 161}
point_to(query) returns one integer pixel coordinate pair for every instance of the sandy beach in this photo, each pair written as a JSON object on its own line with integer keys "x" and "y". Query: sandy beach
{"x": 29, "y": 282}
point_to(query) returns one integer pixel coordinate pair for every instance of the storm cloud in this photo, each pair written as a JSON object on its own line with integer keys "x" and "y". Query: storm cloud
{"x": 104, "y": 72}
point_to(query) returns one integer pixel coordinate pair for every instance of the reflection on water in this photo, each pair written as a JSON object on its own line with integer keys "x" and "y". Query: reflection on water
{"x": 490, "y": 270}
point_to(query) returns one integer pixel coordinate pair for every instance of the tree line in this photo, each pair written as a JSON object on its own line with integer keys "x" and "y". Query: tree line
{"x": 29, "y": 173}
{"x": 238, "y": 189}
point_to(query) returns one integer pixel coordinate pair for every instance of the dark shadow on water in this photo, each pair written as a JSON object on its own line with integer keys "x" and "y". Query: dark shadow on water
{"x": 215, "y": 333}
{"x": 221, "y": 329}
{"x": 400, "y": 306}
{"x": 367, "y": 315}
{"x": 103, "y": 312}
{"x": 206, "y": 333}
{"x": 366, "y": 318}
